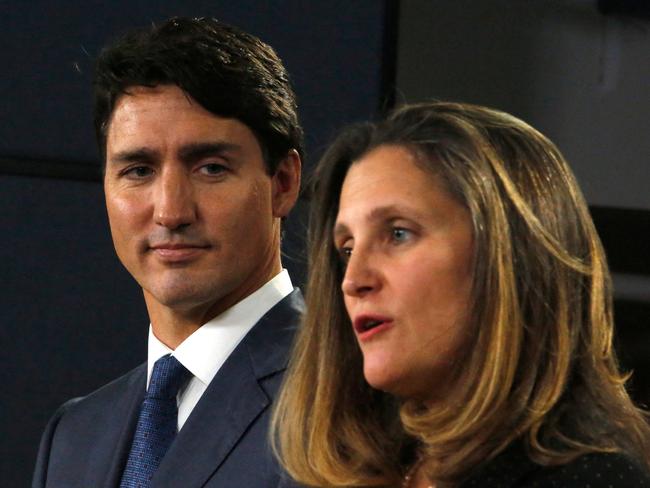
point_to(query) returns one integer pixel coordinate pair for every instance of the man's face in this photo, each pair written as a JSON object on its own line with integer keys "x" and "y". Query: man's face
{"x": 193, "y": 212}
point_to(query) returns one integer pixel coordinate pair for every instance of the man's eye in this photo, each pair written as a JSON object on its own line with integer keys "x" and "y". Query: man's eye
{"x": 139, "y": 172}
{"x": 213, "y": 169}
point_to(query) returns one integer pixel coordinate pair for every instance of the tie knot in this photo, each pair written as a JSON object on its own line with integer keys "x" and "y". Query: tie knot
{"x": 167, "y": 377}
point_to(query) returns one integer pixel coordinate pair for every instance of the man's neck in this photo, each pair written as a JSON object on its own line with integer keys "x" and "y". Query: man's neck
{"x": 172, "y": 328}
{"x": 172, "y": 325}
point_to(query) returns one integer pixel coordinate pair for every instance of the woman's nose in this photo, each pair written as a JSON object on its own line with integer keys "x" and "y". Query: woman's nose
{"x": 361, "y": 275}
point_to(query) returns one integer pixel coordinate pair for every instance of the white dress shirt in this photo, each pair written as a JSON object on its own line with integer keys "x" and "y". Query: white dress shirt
{"x": 205, "y": 351}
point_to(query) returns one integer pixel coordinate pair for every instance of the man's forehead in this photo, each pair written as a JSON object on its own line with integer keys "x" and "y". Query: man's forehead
{"x": 169, "y": 100}
{"x": 140, "y": 99}
{"x": 164, "y": 117}
{"x": 166, "y": 103}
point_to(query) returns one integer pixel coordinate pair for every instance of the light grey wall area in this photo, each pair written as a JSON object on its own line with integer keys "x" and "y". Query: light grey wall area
{"x": 580, "y": 77}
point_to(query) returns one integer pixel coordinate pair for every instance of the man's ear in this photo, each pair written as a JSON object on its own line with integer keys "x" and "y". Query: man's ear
{"x": 286, "y": 184}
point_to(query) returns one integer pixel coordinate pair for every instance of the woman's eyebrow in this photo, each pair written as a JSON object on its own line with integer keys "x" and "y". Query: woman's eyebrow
{"x": 377, "y": 214}
{"x": 340, "y": 229}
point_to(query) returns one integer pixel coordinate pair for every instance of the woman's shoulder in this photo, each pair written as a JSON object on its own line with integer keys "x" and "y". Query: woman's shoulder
{"x": 595, "y": 470}
{"x": 514, "y": 469}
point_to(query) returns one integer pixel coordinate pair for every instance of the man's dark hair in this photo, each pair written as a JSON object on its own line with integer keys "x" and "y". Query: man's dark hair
{"x": 230, "y": 73}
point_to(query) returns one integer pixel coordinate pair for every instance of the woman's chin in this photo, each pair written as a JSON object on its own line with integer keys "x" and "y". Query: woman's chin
{"x": 381, "y": 377}
{"x": 417, "y": 386}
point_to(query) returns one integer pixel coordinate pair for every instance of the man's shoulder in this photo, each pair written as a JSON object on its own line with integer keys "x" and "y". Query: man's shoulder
{"x": 289, "y": 308}
{"x": 86, "y": 425}
{"x": 283, "y": 316}
{"x": 268, "y": 343}
{"x": 104, "y": 395}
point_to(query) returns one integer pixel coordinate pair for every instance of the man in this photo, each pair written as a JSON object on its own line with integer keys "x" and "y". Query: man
{"x": 197, "y": 124}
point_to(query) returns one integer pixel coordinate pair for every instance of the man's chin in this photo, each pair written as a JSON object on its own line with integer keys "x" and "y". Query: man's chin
{"x": 182, "y": 295}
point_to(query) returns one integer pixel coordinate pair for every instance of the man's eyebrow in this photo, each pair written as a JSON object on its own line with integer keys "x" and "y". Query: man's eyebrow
{"x": 187, "y": 153}
{"x": 141, "y": 154}
{"x": 199, "y": 150}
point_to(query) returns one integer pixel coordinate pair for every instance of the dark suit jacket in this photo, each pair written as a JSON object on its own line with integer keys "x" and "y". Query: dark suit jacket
{"x": 513, "y": 469}
{"x": 224, "y": 442}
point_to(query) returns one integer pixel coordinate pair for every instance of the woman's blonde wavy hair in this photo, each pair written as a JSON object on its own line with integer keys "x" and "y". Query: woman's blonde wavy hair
{"x": 539, "y": 367}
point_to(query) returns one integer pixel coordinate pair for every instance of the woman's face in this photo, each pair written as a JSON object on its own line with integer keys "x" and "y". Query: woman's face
{"x": 408, "y": 248}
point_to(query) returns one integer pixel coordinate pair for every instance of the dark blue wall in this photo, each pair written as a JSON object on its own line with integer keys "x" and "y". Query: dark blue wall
{"x": 71, "y": 317}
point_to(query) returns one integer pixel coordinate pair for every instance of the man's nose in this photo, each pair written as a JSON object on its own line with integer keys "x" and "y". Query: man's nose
{"x": 175, "y": 206}
{"x": 362, "y": 274}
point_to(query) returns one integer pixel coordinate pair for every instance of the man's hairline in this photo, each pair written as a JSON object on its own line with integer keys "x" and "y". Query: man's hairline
{"x": 105, "y": 127}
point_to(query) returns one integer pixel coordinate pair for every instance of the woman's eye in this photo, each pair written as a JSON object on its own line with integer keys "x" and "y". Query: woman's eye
{"x": 213, "y": 168}
{"x": 344, "y": 253}
{"x": 400, "y": 234}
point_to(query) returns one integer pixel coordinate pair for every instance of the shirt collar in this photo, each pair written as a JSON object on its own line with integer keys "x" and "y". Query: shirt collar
{"x": 205, "y": 351}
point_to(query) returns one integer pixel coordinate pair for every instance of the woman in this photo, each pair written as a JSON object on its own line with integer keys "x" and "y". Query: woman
{"x": 459, "y": 316}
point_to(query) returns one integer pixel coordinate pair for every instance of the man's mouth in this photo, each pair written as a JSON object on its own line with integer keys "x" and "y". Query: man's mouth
{"x": 172, "y": 246}
{"x": 177, "y": 252}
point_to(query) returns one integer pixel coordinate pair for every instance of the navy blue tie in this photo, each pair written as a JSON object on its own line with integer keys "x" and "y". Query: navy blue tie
{"x": 157, "y": 423}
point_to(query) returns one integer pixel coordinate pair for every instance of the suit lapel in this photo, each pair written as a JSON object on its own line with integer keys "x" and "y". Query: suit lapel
{"x": 126, "y": 415}
{"x": 232, "y": 401}
{"x": 114, "y": 431}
